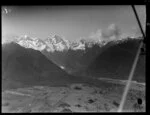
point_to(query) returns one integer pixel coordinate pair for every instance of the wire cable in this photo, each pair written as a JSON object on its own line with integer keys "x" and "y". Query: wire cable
{"x": 136, "y": 15}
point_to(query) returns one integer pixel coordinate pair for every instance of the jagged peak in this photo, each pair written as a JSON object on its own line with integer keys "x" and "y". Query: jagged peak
{"x": 59, "y": 43}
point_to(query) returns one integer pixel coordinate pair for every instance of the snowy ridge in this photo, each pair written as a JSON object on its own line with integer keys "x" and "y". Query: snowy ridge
{"x": 59, "y": 43}
{"x": 79, "y": 46}
{"x": 56, "y": 43}
{"x": 33, "y": 43}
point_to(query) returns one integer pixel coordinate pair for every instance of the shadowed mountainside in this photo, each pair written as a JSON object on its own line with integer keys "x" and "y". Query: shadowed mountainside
{"x": 116, "y": 62}
{"x": 76, "y": 60}
{"x": 21, "y": 67}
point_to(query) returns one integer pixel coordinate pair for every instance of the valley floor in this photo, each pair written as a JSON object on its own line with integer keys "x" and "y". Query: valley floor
{"x": 71, "y": 98}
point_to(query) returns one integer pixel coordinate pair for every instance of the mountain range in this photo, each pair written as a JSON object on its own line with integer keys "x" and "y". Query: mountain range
{"x": 60, "y": 50}
{"x": 32, "y": 60}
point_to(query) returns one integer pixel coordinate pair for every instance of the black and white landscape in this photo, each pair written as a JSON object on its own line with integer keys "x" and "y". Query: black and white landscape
{"x": 55, "y": 74}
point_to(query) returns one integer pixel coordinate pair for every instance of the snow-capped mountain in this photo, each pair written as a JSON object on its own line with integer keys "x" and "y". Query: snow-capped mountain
{"x": 59, "y": 43}
{"x": 29, "y": 42}
{"x": 83, "y": 43}
{"x": 78, "y": 46}
{"x": 50, "y": 44}
{"x": 75, "y": 57}
{"x": 56, "y": 43}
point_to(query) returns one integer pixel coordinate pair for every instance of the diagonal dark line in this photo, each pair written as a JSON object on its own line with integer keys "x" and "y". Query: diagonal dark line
{"x": 133, "y": 67}
{"x": 136, "y": 15}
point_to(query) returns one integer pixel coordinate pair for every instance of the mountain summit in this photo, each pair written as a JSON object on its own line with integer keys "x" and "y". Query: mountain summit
{"x": 56, "y": 43}
{"x": 29, "y": 42}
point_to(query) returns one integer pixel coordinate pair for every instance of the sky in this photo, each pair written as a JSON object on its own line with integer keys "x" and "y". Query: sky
{"x": 72, "y": 22}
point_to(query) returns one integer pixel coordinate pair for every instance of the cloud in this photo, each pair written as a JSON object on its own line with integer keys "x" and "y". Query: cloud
{"x": 96, "y": 35}
{"x": 111, "y": 33}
